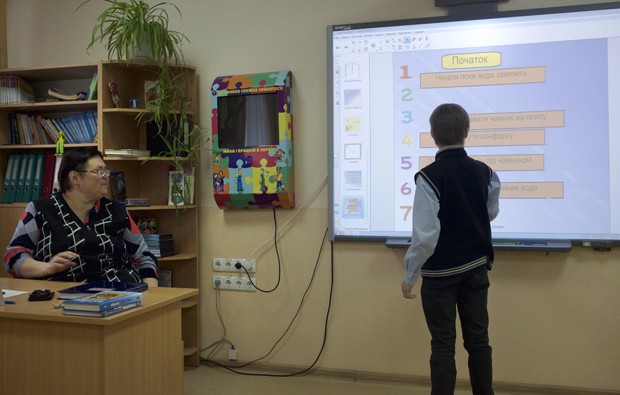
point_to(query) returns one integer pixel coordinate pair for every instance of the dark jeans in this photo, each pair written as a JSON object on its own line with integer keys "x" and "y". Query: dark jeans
{"x": 441, "y": 297}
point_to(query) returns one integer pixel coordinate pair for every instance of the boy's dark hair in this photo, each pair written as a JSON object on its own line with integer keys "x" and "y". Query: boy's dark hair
{"x": 74, "y": 159}
{"x": 449, "y": 124}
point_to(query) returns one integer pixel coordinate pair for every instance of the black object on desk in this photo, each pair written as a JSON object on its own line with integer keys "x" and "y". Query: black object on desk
{"x": 40, "y": 294}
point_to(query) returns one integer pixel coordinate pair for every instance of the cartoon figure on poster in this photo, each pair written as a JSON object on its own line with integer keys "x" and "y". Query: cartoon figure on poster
{"x": 239, "y": 179}
{"x": 252, "y": 128}
{"x": 279, "y": 155}
{"x": 263, "y": 182}
{"x": 279, "y": 178}
{"x": 218, "y": 181}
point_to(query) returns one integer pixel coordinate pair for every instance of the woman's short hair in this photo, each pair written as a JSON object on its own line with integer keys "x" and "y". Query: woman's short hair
{"x": 449, "y": 124}
{"x": 74, "y": 159}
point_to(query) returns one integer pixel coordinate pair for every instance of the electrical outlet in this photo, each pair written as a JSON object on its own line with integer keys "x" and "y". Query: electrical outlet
{"x": 228, "y": 265}
{"x": 222, "y": 265}
{"x": 234, "y": 283}
{"x": 244, "y": 283}
{"x": 248, "y": 264}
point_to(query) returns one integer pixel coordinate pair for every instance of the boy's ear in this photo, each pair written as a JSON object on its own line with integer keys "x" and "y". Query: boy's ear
{"x": 466, "y": 133}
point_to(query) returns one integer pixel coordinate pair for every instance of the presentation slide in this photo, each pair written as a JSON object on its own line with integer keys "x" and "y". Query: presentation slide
{"x": 542, "y": 96}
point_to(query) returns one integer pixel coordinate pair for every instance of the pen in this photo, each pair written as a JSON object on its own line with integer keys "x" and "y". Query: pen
{"x": 9, "y": 302}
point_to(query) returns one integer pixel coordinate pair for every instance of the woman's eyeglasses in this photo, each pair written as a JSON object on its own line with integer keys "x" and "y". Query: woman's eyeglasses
{"x": 99, "y": 172}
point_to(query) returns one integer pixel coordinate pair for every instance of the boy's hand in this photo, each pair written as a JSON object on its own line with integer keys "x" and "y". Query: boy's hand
{"x": 407, "y": 288}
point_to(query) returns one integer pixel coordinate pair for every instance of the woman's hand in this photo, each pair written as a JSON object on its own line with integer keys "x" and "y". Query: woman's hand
{"x": 62, "y": 261}
{"x": 152, "y": 282}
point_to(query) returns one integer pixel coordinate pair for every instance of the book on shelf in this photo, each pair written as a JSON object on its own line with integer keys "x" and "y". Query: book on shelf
{"x": 92, "y": 89}
{"x": 128, "y": 152}
{"x": 58, "y": 94}
{"x": 85, "y": 289}
{"x": 117, "y": 186}
{"x": 105, "y": 313}
{"x": 136, "y": 202}
{"x": 14, "y": 89}
{"x": 164, "y": 278}
{"x": 51, "y": 135}
{"x": 38, "y": 129}
{"x": 161, "y": 245}
{"x": 13, "y": 133}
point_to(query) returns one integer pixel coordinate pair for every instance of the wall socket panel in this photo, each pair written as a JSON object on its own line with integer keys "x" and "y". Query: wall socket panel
{"x": 228, "y": 265}
{"x": 234, "y": 283}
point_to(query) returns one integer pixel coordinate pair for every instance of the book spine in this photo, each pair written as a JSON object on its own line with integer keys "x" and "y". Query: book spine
{"x": 104, "y": 305}
{"x": 122, "y": 308}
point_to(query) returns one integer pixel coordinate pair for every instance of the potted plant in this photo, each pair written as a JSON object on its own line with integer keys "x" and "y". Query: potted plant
{"x": 135, "y": 31}
{"x": 126, "y": 27}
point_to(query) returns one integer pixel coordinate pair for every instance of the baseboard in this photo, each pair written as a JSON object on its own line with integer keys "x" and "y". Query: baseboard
{"x": 402, "y": 379}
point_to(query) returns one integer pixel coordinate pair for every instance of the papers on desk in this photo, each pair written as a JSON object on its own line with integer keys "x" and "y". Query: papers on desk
{"x": 7, "y": 293}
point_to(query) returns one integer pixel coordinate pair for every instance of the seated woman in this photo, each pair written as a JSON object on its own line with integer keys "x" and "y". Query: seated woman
{"x": 77, "y": 234}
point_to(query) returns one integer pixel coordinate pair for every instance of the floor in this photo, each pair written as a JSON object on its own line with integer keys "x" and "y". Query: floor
{"x": 215, "y": 381}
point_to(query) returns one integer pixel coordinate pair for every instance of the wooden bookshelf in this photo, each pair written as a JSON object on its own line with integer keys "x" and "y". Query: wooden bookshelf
{"x": 145, "y": 177}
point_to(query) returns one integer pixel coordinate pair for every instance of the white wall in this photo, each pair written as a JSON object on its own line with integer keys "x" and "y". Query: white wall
{"x": 554, "y": 318}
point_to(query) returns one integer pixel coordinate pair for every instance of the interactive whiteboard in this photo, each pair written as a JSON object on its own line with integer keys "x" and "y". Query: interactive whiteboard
{"x": 542, "y": 88}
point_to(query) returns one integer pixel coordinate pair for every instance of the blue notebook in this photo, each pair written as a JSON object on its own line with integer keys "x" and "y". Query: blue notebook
{"x": 99, "y": 286}
{"x": 103, "y": 301}
{"x": 104, "y": 313}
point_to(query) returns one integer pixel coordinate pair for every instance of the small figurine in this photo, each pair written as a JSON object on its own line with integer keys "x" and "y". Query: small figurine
{"x": 114, "y": 92}
{"x": 134, "y": 102}
{"x": 60, "y": 144}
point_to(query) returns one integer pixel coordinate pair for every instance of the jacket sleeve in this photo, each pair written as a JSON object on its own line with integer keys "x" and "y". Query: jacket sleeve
{"x": 24, "y": 242}
{"x": 425, "y": 233}
{"x": 495, "y": 187}
{"x": 140, "y": 256}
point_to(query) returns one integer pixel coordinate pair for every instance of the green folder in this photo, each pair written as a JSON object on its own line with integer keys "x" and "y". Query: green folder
{"x": 23, "y": 175}
{"x": 6, "y": 187}
{"x": 38, "y": 176}
{"x": 14, "y": 176}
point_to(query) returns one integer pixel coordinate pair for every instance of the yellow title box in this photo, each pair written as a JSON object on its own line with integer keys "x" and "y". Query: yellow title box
{"x": 471, "y": 60}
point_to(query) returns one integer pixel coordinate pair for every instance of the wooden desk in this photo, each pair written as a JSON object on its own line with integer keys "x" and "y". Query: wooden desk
{"x": 139, "y": 351}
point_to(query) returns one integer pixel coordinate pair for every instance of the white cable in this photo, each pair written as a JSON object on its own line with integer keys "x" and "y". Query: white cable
{"x": 295, "y": 214}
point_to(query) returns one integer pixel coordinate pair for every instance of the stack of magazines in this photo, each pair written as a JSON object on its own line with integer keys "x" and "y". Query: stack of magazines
{"x": 102, "y": 304}
{"x": 13, "y": 89}
{"x": 160, "y": 245}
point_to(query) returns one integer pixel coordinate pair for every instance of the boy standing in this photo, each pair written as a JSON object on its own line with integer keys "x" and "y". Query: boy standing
{"x": 456, "y": 197}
